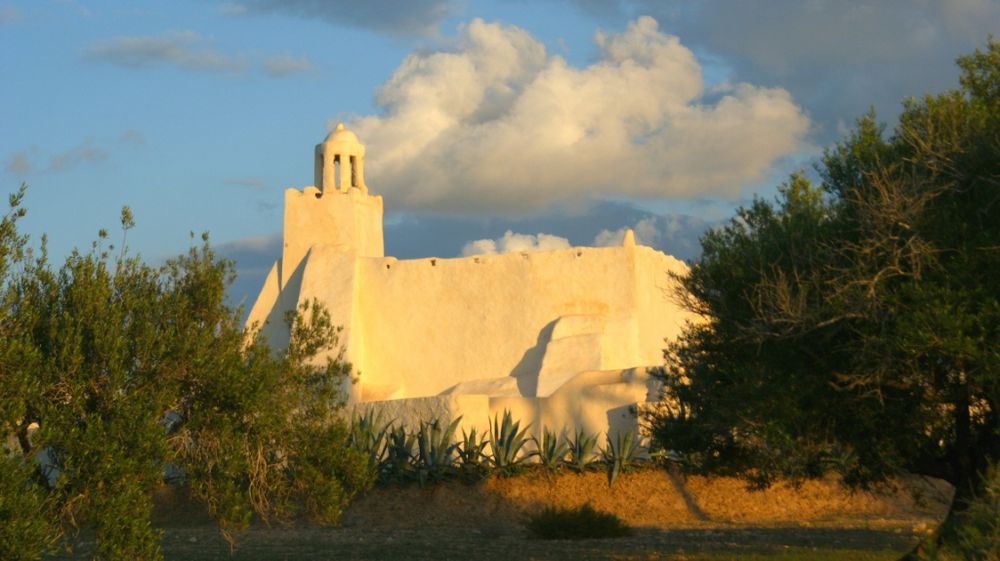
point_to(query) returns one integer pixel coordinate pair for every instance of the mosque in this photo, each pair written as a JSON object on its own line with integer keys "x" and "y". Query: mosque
{"x": 562, "y": 338}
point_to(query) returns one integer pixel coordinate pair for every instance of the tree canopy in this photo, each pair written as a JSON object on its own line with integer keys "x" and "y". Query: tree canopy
{"x": 114, "y": 373}
{"x": 853, "y": 324}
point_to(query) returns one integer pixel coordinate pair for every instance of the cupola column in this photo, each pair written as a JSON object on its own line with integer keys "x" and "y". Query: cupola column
{"x": 340, "y": 162}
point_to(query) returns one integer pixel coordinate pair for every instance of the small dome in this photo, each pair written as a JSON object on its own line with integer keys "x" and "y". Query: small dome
{"x": 341, "y": 135}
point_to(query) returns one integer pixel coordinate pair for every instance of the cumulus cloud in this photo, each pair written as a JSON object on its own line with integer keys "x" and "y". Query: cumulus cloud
{"x": 183, "y": 49}
{"x": 414, "y": 17}
{"x": 284, "y": 65}
{"x": 499, "y": 124}
{"x": 513, "y": 242}
{"x": 675, "y": 234}
{"x": 837, "y": 58}
{"x": 87, "y": 152}
{"x": 645, "y": 232}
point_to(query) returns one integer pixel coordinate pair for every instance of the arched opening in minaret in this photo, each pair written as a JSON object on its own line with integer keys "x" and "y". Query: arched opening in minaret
{"x": 336, "y": 171}
{"x": 354, "y": 171}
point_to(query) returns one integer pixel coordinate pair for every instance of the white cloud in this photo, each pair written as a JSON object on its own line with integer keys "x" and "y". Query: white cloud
{"x": 498, "y": 124}
{"x": 837, "y": 58}
{"x": 413, "y": 17}
{"x": 675, "y": 234}
{"x": 19, "y": 163}
{"x": 285, "y": 65}
{"x": 87, "y": 152}
{"x": 514, "y": 242}
{"x": 184, "y": 49}
{"x": 645, "y": 230}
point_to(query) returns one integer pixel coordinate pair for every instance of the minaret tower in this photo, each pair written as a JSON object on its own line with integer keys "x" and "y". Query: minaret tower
{"x": 337, "y": 211}
{"x": 340, "y": 162}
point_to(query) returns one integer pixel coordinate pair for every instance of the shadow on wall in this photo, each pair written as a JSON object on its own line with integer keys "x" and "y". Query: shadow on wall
{"x": 528, "y": 368}
{"x": 274, "y": 328}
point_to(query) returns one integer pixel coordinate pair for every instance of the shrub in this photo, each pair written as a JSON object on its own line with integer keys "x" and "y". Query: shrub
{"x": 398, "y": 465}
{"x": 621, "y": 454}
{"x": 473, "y": 462}
{"x": 978, "y": 536}
{"x": 581, "y": 451}
{"x": 27, "y": 527}
{"x": 576, "y": 524}
{"x": 551, "y": 450}
{"x": 369, "y": 435}
{"x": 435, "y": 452}
{"x": 507, "y": 440}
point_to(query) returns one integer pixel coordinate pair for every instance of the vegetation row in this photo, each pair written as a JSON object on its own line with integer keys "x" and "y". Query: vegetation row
{"x": 433, "y": 453}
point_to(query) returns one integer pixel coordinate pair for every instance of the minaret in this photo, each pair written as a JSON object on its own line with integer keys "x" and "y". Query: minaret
{"x": 337, "y": 211}
{"x": 340, "y": 162}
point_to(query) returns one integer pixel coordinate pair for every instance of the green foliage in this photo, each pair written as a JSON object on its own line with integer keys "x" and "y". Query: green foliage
{"x": 126, "y": 368}
{"x": 28, "y": 526}
{"x": 576, "y": 524}
{"x": 581, "y": 451}
{"x": 852, "y": 325}
{"x": 369, "y": 435}
{"x": 551, "y": 450}
{"x": 473, "y": 463}
{"x": 507, "y": 441}
{"x": 978, "y": 534}
{"x": 621, "y": 454}
{"x": 435, "y": 458}
{"x": 398, "y": 465}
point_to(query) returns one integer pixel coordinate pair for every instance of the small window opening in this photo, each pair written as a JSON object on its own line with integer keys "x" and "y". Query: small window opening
{"x": 434, "y": 262}
{"x": 354, "y": 172}
{"x": 388, "y": 266}
{"x": 336, "y": 171}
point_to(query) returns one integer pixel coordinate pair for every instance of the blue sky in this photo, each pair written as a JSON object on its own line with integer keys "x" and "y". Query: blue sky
{"x": 570, "y": 118}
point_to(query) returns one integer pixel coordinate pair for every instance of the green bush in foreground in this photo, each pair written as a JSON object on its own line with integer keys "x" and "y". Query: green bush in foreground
{"x": 977, "y": 537}
{"x": 112, "y": 369}
{"x": 576, "y": 524}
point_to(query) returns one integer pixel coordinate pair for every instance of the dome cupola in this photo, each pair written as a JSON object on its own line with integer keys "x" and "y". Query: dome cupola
{"x": 340, "y": 162}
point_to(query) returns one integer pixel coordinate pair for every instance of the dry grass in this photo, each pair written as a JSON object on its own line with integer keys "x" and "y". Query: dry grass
{"x": 653, "y": 498}
{"x": 709, "y": 519}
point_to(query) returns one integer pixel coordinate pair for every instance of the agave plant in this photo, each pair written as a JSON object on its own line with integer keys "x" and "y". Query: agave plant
{"x": 435, "y": 451}
{"x": 507, "y": 441}
{"x": 551, "y": 450}
{"x": 369, "y": 434}
{"x": 621, "y": 454}
{"x": 581, "y": 450}
{"x": 398, "y": 462}
{"x": 472, "y": 459}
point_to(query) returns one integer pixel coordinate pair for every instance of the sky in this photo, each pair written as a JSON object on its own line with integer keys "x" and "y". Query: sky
{"x": 490, "y": 126}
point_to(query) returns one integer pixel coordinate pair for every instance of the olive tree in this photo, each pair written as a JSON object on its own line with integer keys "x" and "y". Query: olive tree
{"x": 854, "y": 325}
{"x": 113, "y": 371}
